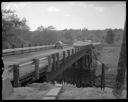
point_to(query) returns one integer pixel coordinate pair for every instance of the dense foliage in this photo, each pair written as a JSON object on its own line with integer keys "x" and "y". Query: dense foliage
{"x": 16, "y": 33}
{"x": 110, "y": 37}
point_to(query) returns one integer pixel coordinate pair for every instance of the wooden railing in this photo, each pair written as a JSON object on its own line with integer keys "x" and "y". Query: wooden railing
{"x": 21, "y": 72}
{"x": 53, "y": 65}
{"x": 16, "y": 51}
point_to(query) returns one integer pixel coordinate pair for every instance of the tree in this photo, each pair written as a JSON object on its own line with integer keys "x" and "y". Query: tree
{"x": 40, "y": 28}
{"x": 12, "y": 27}
{"x": 50, "y": 28}
{"x": 110, "y": 36}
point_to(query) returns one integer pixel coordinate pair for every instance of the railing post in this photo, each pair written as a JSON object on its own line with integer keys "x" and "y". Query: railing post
{"x": 49, "y": 64}
{"x": 57, "y": 61}
{"x": 64, "y": 57}
{"x": 75, "y": 51}
{"x": 36, "y": 62}
{"x": 86, "y": 61}
{"x": 68, "y": 57}
{"x": 16, "y": 75}
{"x": 54, "y": 62}
{"x": 72, "y": 53}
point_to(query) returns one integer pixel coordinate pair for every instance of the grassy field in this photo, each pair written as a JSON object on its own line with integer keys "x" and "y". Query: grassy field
{"x": 110, "y": 56}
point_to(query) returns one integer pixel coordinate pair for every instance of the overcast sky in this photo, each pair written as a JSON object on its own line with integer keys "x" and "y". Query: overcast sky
{"x": 75, "y": 15}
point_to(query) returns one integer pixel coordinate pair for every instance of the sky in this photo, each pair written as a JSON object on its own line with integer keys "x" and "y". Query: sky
{"x": 71, "y": 15}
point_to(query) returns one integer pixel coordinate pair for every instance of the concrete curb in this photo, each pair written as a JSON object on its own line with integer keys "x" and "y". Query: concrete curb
{"x": 52, "y": 94}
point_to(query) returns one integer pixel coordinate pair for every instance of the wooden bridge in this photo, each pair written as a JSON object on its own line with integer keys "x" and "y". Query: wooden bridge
{"x": 47, "y": 64}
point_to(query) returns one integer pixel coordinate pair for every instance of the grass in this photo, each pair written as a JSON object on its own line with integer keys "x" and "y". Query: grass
{"x": 110, "y": 56}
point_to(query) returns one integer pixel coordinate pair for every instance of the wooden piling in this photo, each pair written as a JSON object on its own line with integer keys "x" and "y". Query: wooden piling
{"x": 68, "y": 57}
{"x": 57, "y": 61}
{"x": 54, "y": 62}
{"x": 76, "y": 50}
{"x": 49, "y": 64}
{"x": 16, "y": 75}
{"x": 36, "y": 62}
{"x": 64, "y": 59}
{"x": 72, "y": 53}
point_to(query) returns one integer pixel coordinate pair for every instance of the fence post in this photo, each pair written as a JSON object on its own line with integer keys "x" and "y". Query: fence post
{"x": 16, "y": 75}
{"x": 36, "y": 62}
{"x": 49, "y": 64}
{"x": 103, "y": 77}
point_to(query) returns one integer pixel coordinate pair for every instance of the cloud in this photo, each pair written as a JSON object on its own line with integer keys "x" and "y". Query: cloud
{"x": 78, "y": 4}
{"x": 87, "y": 5}
{"x": 53, "y": 9}
{"x": 14, "y": 5}
{"x": 99, "y": 9}
{"x": 67, "y": 15}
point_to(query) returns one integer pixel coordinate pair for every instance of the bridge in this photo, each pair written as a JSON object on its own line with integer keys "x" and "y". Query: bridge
{"x": 46, "y": 63}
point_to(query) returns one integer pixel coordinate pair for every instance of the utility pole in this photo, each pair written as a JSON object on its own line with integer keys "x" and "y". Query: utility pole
{"x": 122, "y": 68}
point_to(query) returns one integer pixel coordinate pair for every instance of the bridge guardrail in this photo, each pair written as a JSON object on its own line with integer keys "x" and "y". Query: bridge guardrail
{"x": 56, "y": 60}
{"x": 53, "y": 62}
{"x": 15, "y": 51}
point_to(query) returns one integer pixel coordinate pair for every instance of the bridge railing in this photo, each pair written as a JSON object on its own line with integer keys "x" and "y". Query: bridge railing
{"x": 35, "y": 66}
{"x": 16, "y": 51}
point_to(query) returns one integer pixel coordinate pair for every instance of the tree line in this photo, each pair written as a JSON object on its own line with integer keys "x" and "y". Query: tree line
{"x": 16, "y": 33}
